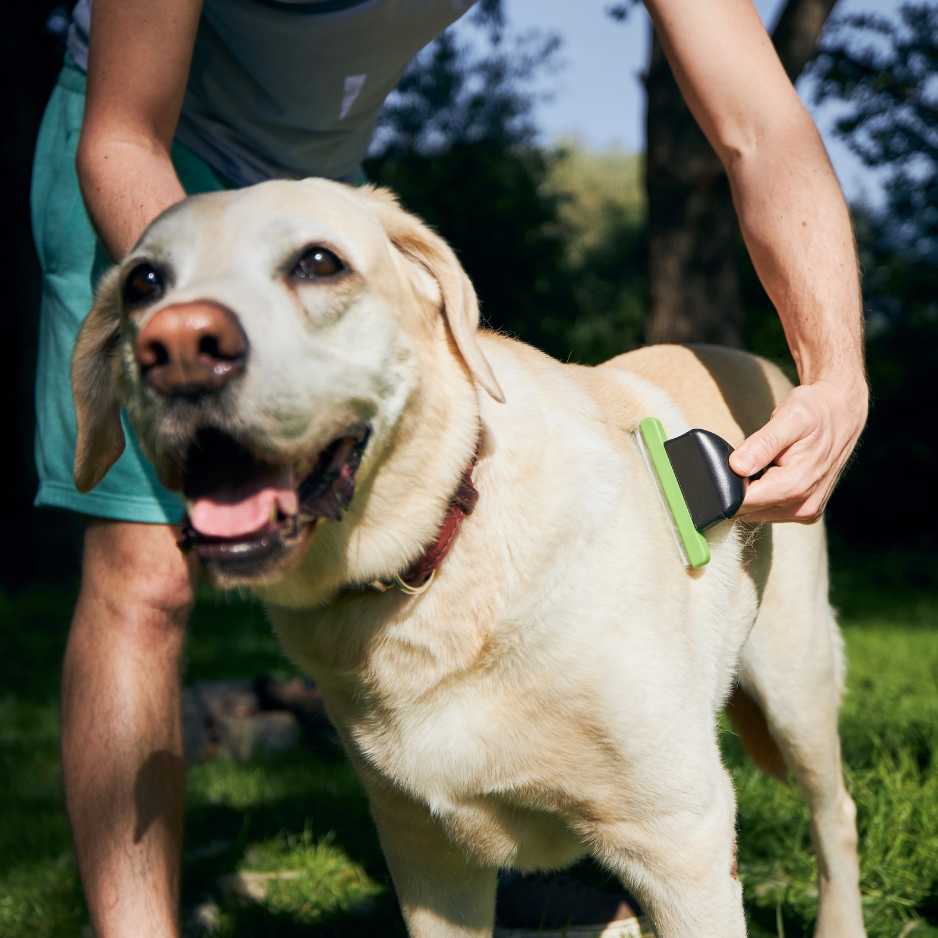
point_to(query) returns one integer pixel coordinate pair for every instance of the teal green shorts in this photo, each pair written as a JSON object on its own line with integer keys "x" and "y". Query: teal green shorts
{"x": 71, "y": 257}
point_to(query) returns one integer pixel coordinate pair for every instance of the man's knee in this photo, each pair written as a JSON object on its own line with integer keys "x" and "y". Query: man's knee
{"x": 136, "y": 577}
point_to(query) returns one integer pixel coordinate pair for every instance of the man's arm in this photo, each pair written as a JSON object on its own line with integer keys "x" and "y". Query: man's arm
{"x": 137, "y": 71}
{"x": 795, "y": 224}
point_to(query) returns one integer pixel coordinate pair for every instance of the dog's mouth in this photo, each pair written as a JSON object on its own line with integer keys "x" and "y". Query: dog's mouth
{"x": 245, "y": 512}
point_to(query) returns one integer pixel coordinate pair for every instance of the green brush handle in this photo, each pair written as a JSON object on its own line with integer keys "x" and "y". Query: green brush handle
{"x": 695, "y": 544}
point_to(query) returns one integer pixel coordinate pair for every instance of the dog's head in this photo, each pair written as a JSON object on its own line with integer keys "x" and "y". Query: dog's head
{"x": 264, "y": 343}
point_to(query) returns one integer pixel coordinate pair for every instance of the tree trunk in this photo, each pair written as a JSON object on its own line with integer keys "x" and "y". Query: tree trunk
{"x": 692, "y": 229}
{"x": 693, "y": 245}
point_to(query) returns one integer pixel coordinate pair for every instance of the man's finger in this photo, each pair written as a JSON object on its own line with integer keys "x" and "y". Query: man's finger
{"x": 779, "y": 488}
{"x": 790, "y": 423}
{"x": 782, "y": 516}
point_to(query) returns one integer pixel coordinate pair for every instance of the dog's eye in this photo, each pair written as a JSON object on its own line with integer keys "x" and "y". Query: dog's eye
{"x": 315, "y": 263}
{"x": 144, "y": 284}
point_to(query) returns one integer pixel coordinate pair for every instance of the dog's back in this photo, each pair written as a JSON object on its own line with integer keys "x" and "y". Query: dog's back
{"x": 724, "y": 390}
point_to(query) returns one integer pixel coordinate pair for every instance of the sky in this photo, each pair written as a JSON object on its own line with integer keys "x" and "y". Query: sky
{"x": 597, "y": 96}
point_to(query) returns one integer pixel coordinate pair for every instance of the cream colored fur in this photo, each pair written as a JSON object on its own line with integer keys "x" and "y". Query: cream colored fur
{"x": 555, "y": 691}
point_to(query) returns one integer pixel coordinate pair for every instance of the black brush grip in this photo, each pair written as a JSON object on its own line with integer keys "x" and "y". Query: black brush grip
{"x": 712, "y": 490}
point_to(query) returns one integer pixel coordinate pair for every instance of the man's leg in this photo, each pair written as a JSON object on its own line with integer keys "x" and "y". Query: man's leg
{"x": 121, "y": 732}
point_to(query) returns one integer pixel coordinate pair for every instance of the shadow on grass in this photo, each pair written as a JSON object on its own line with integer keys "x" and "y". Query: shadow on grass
{"x": 381, "y": 917}
{"x": 770, "y": 923}
{"x": 251, "y": 812}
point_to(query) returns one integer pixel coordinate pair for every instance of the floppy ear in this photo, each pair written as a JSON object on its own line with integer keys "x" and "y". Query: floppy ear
{"x": 460, "y": 304}
{"x": 94, "y": 386}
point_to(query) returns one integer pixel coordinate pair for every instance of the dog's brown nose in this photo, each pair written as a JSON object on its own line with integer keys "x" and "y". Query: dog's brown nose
{"x": 191, "y": 349}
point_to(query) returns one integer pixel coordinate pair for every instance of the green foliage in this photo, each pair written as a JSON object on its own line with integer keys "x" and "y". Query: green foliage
{"x": 596, "y": 186}
{"x": 620, "y": 11}
{"x": 884, "y": 71}
{"x": 602, "y": 209}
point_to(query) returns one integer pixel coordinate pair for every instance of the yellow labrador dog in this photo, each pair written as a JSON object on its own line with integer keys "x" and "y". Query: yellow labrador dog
{"x": 456, "y": 537}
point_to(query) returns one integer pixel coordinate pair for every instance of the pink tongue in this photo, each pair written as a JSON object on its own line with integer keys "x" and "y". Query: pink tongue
{"x": 245, "y": 509}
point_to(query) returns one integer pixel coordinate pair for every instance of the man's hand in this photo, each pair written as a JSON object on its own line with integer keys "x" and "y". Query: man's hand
{"x": 805, "y": 445}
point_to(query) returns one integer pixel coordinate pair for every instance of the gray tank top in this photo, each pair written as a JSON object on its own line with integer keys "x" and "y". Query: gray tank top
{"x": 286, "y": 88}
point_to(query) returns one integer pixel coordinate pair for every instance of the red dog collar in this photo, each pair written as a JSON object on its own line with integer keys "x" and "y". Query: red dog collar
{"x": 418, "y": 576}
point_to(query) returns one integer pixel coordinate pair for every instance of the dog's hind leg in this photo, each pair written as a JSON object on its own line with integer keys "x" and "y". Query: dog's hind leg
{"x": 679, "y": 859}
{"x": 792, "y": 669}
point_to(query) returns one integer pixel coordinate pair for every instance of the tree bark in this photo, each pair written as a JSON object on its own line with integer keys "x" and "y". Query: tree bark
{"x": 693, "y": 235}
{"x": 797, "y": 31}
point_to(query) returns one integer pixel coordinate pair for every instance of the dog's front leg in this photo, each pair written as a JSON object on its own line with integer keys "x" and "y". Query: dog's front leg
{"x": 443, "y": 893}
{"x": 680, "y": 863}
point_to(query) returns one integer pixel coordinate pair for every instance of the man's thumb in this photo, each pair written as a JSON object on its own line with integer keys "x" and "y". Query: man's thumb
{"x": 766, "y": 445}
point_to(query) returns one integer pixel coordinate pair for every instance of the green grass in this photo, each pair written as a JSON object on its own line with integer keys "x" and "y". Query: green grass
{"x": 304, "y": 813}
